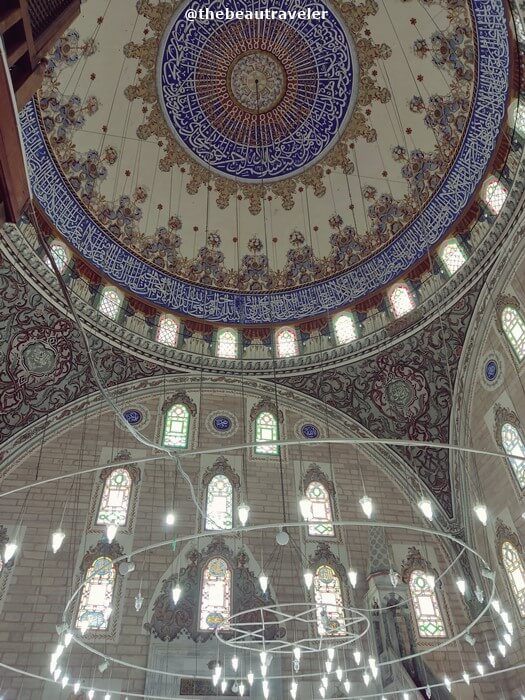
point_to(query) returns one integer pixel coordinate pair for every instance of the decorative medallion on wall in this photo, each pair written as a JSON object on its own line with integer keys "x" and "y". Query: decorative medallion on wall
{"x": 136, "y": 415}
{"x": 222, "y": 424}
{"x": 255, "y": 99}
{"x": 492, "y": 371}
{"x": 133, "y": 416}
{"x": 310, "y": 431}
{"x": 39, "y": 358}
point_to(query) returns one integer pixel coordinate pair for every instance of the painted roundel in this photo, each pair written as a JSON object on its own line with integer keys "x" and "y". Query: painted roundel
{"x": 257, "y": 97}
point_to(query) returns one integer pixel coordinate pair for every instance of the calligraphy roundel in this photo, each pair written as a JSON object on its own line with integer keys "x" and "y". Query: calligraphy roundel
{"x": 257, "y": 95}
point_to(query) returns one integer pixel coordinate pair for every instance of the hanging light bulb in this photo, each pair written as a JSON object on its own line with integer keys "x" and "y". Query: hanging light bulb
{"x": 297, "y": 653}
{"x": 357, "y": 656}
{"x": 496, "y": 605}
{"x": 448, "y": 684}
{"x": 328, "y": 666}
{"x": 330, "y": 652}
{"x": 480, "y": 669}
{"x": 111, "y": 531}
{"x": 510, "y": 627}
{"x": 139, "y": 599}
{"x": 462, "y": 586}
{"x": 481, "y": 512}
{"x": 431, "y": 581}
{"x": 56, "y": 674}
{"x": 366, "y": 678}
{"x": 324, "y": 681}
{"x": 53, "y": 664}
{"x": 215, "y": 679}
{"x": 243, "y": 511}
{"x": 428, "y": 691}
{"x": 406, "y": 696}
{"x": 65, "y": 681}
{"x": 242, "y": 688}
{"x": 176, "y": 593}
{"x": 306, "y": 508}
{"x": 339, "y": 673}
{"x": 170, "y": 518}
{"x": 505, "y": 616}
{"x": 250, "y": 677}
{"x": 425, "y": 506}
{"x": 9, "y": 551}
{"x": 322, "y": 692}
{"x": 264, "y": 670}
{"x": 58, "y": 651}
{"x": 293, "y": 690}
{"x": 352, "y": 577}
{"x": 372, "y": 662}
{"x": 466, "y": 677}
{"x": 263, "y": 581}
{"x": 263, "y": 656}
{"x": 479, "y": 594}
{"x": 224, "y": 686}
{"x": 367, "y": 506}
{"x": 492, "y": 659}
{"x": 502, "y": 649}
{"x": 507, "y": 637}
{"x": 235, "y": 663}
{"x": 394, "y": 578}
{"x": 91, "y": 694}
{"x": 84, "y": 626}
{"x": 56, "y": 540}
{"x": 217, "y": 670}
{"x": 346, "y": 686}
{"x": 308, "y": 579}
{"x": 107, "y": 696}
{"x": 76, "y": 688}
{"x": 266, "y": 689}
{"x": 68, "y": 638}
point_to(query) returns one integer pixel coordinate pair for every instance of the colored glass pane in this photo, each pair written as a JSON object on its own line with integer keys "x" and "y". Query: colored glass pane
{"x": 286, "y": 339}
{"x": 176, "y": 426}
{"x": 115, "y": 498}
{"x": 59, "y": 256}
{"x": 329, "y": 603}
{"x": 227, "y": 343}
{"x": 110, "y": 303}
{"x": 515, "y": 448}
{"x": 453, "y": 256}
{"x": 215, "y": 595}
{"x": 97, "y": 595}
{"x": 345, "y": 330}
{"x": 426, "y": 607}
{"x": 168, "y": 331}
{"x": 495, "y": 195}
{"x": 219, "y": 504}
{"x": 514, "y": 329}
{"x": 320, "y": 510}
{"x": 265, "y": 431}
{"x": 401, "y": 300}
{"x": 513, "y": 563}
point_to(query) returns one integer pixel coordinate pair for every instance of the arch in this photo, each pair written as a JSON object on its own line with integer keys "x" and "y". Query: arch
{"x": 227, "y": 343}
{"x": 513, "y": 326}
{"x": 96, "y": 601}
{"x": 329, "y": 602}
{"x": 494, "y": 194}
{"x": 401, "y": 300}
{"x": 266, "y": 430}
{"x": 452, "y": 255}
{"x": 514, "y": 447}
{"x": 286, "y": 342}
{"x": 515, "y": 570}
{"x": 110, "y": 302}
{"x": 517, "y": 117}
{"x": 215, "y": 597}
{"x": 115, "y": 500}
{"x": 219, "y": 503}
{"x": 168, "y": 330}
{"x": 425, "y": 606}
{"x": 345, "y": 328}
{"x": 321, "y": 513}
{"x": 176, "y": 426}
{"x": 60, "y": 256}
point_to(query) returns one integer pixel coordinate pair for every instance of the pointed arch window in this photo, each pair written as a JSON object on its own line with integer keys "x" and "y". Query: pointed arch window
{"x": 345, "y": 328}
{"x": 426, "y": 608}
{"x": 513, "y": 326}
{"x": 266, "y": 430}
{"x": 115, "y": 499}
{"x": 452, "y": 256}
{"x": 97, "y": 595}
{"x": 215, "y": 595}
{"x": 177, "y": 426}
{"x": 515, "y": 570}
{"x": 514, "y": 447}
{"x": 401, "y": 300}
{"x": 321, "y": 516}
{"x": 495, "y": 195}
{"x": 168, "y": 330}
{"x": 518, "y": 117}
{"x": 110, "y": 303}
{"x": 329, "y": 602}
{"x": 219, "y": 503}
{"x": 286, "y": 342}
{"x": 227, "y": 342}
{"x": 59, "y": 255}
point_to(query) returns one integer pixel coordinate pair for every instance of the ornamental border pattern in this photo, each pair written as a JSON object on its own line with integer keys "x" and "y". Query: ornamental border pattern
{"x": 161, "y": 289}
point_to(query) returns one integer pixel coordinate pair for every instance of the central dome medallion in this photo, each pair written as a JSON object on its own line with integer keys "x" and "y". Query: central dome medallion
{"x": 257, "y": 98}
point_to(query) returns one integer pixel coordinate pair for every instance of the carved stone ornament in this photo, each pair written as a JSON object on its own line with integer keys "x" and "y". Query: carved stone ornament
{"x": 503, "y": 301}
{"x": 111, "y": 550}
{"x": 221, "y": 466}
{"x": 183, "y": 398}
{"x": 132, "y": 469}
{"x": 503, "y": 415}
{"x": 266, "y": 406}
{"x": 505, "y": 534}
{"x": 415, "y": 562}
{"x": 315, "y": 473}
{"x": 170, "y": 621}
{"x": 324, "y": 555}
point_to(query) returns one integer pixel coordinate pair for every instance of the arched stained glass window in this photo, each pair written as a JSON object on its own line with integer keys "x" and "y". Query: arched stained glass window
{"x": 215, "y": 595}
{"x": 60, "y": 256}
{"x": 514, "y": 448}
{"x": 219, "y": 504}
{"x": 518, "y": 117}
{"x": 110, "y": 303}
{"x": 495, "y": 195}
{"x": 227, "y": 343}
{"x": 97, "y": 595}
{"x": 329, "y": 603}
{"x": 401, "y": 300}
{"x": 168, "y": 330}
{"x": 266, "y": 430}
{"x": 176, "y": 426}
{"x": 345, "y": 329}
{"x": 515, "y": 569}
{"x": 115, "y": 498}
{"x": 453, "y": 256}
{"x": 513, "y": 326}
{"x": 426, "y": 606}
{"x": 286, "y": 342}
{"x": 319, "y": 521}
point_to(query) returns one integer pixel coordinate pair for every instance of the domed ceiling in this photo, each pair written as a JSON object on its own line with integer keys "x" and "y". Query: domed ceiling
{"x": 264, "y": 170}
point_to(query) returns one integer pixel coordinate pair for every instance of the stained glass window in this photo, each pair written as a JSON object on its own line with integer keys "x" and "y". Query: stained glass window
{"x": 518, "y": 117}
{"x": 320, "y": 510}
{"x": 329, "y": 603}
{"x": 515, "y": 568}
{"x": 426, "y": 607}
{"x": 513, "y": 445}
{"x": 453, "y": 256}
{"x": 286, "y": 340}
{"x": 495, "y": 195}
{"x": 168, "y": 331}
{"x": 177, "y": 426}
{"x": 345, "y": 330}
{"x": 97, "y": 595}
{"x": 59, "y": 256}
{"x": 219, "y": 504}
{"x": 514, "y": 328}
{"x": 401, "y": 300}
{"x": 215, "y": 595}
{"x": 227, "y": 343}
{"x": 266, "y": 430}
{"x": 115, "y": 498}
{"x": 110, "y": 303}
